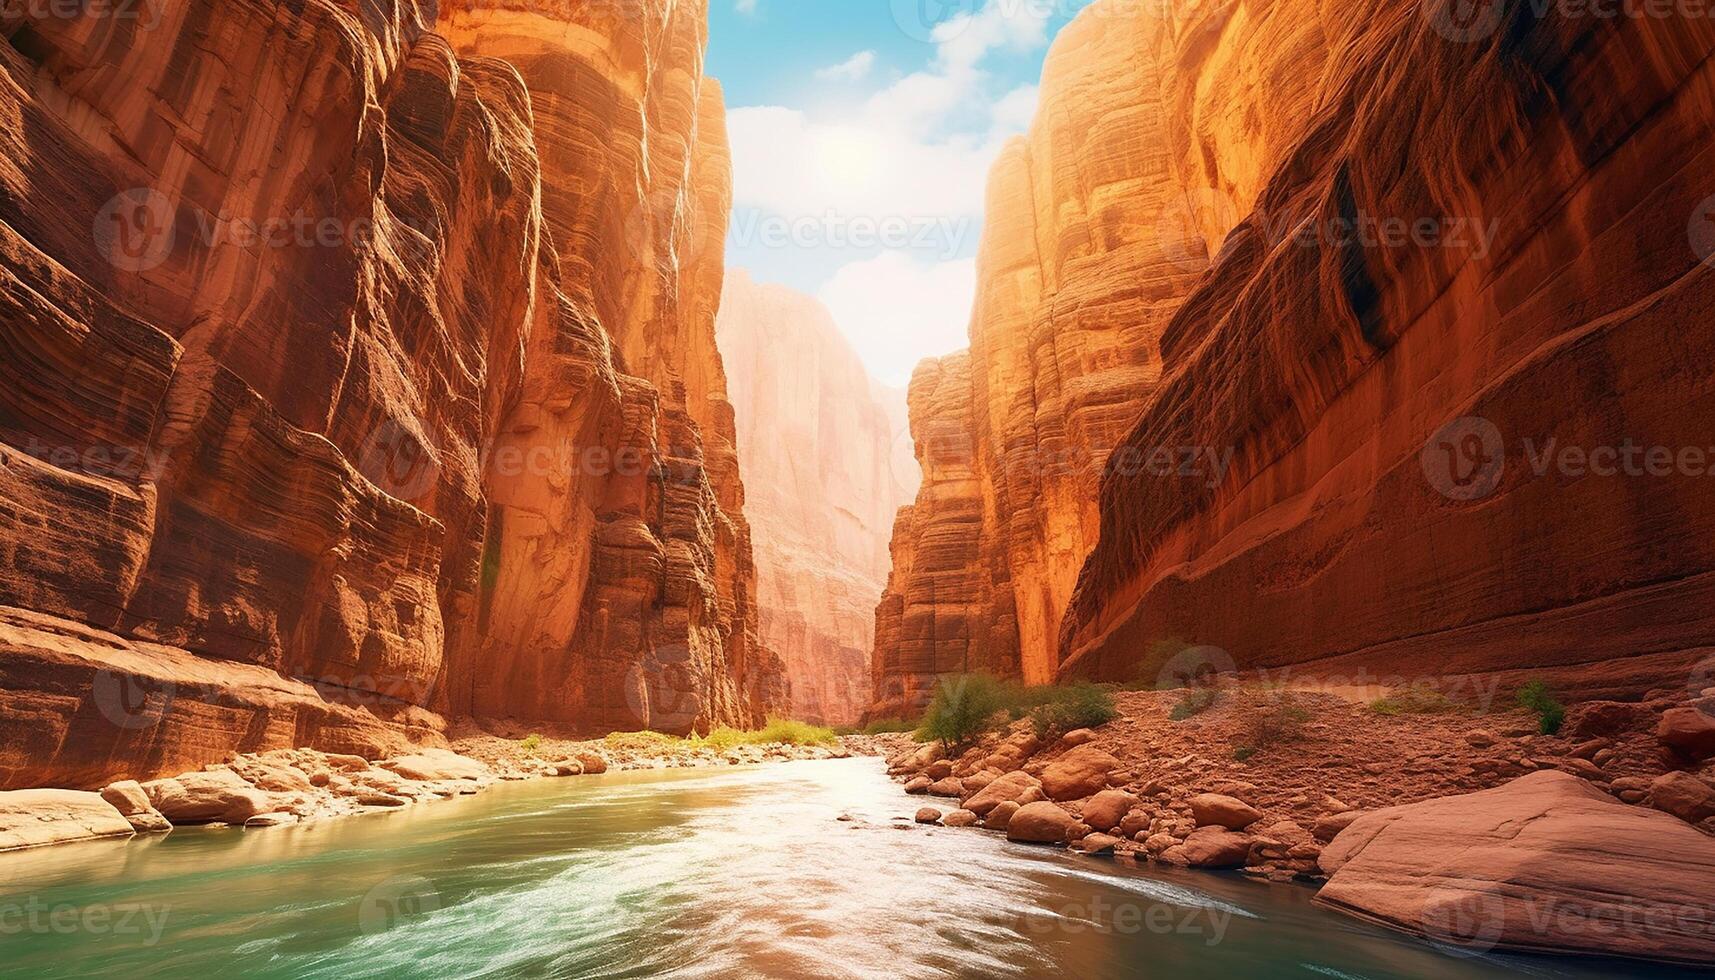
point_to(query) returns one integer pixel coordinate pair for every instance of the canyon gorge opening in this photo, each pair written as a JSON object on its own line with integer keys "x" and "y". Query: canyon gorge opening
{"x": 1255, "y": 438}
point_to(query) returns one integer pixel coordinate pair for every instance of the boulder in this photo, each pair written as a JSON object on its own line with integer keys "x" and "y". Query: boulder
{"x": 1018, "y": 786}
{"x": 918, "y": 785}
{"x": 1598, "y": 719}
{"x": 1077, "y": 737}
{"x": 593, "y": 764}
{"x": 1135, "y": 821}
{"x": 1683, "y": 795}
{"x": 1546, "y": 862}
{"x": 568, "y": 767}
{"x": 1156, "y": 843}
{"x": 960, "y": 818}
{"x": 278, "y": 818}
{"x": 1329, "y": 827}
{"x": 1096, "y": 844}
{"x": 928, "y": 814}
{"x": 210, "y": 796}
{"x": 979, "y": 779}
{"x": 1079, "y": 773}
{"x": 950, "y": 786}
{"x": 1210, "y": 847}
{"x": 1001, "y": 815}
{"x": 939, "y": 769}
{"x": 127, "y": 796}
{"x": 1217, "y": 810}
{"x": 434, "y": 765}
{"x": 1688, "y": 731}
{"x": 37, "y": 817}
{"x": 1106, "y": 809}
{"x": 1041, "y": 822}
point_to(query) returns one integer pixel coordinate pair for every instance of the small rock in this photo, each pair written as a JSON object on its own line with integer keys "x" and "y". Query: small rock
{"x": 960, "y": 818}
{"x": 1041, "y": 822}
{"x": 1156, "y": 843}
{"x": 1001, "y": 815}
{"x": 939, "y": 769}
{"x": 380, "y": 799}
{"x": 1096, "y": 843}
{"x": 1079, "y": 773}
{"x": 1481, "y": 738}
{"x": 1327, "y": 828}
{"x": 1106, "y": 809}
{"x": 950, "y": 786}
{"x": 928, "y": 815}
{"x": 918, "y": 785}
{"x": 275, "y": 819}
{"x": 1688, "y": 731}
{"x": 1076, "y": 737}
{"x": 1210, "y": 847}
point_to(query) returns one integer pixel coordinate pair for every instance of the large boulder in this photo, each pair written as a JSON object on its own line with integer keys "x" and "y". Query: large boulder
{"x": 1018, "y": 786}
{"x": 1688, "y": 731}
{"x": 435, "y": 765}
{"x": 1217, "y": 810}
{"x": 1546, "y": 862}
{"x": 36, "y": 817}
{"x": 215, "y": 795}
{"x": 1079, "y": 773}
{"x": 1683, "y": 795}
{"x": 1106, "y": 809}
{"x": 1210, "y": 847}
{"x": 127, "y": 796}
{"x": 1041, "y": 822}
{"x": 1001, "y": 815}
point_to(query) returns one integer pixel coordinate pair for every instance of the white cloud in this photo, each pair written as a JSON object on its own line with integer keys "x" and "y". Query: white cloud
{"x": 896, "y": 310}
{"x": 1014, "y": 110}
{"x": 852, "y": 69}
{"x": 744, "y": 6}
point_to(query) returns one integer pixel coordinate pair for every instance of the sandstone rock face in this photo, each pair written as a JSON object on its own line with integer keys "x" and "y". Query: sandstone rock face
{"x": 1212, "y": 391}
{"x": 38, "y": 817}
{"x": 1530, "y": 865}
{"x": 340, "y": 348}
{"x": 823, "y": 481}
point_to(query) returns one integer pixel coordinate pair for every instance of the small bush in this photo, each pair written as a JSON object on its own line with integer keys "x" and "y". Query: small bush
{"x": 888, "y": 726}
{"x": 645, "y": 740}
{"x": 1550, "y": 713}
{"x": 1269, "y": 719}
{"x": 778, "y": 730}
{"x": 1413, "y": 701}
{"x": 963, "y": 709}
{"x": 1195, "y": 701}
{"x": 1072, "y": 707}
{"x": 1244, "y": 752}
{"x": 530, "y": 743}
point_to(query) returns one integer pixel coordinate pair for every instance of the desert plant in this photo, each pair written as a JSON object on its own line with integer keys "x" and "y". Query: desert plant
{"x": 1270, "y": 718}
{"x": 885, "y": 726}
{"x": 1243, "y": 752}
{"x": 530, "y": 743}
{"x": 1413, "y": 701}
{"x": 1071, "y": 707}
{"x": 1550, "y": 713}
{"x": 963, "y": 708}
{"x": 1195, "y": 701}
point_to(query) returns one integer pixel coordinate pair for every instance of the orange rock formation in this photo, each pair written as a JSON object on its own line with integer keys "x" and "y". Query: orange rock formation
{"x": 1237, "y": 287}
{"x": 349, "y": 348}
{"x": 825, "y": 474}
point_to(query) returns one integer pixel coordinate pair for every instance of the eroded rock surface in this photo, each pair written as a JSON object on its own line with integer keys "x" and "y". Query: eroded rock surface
{"x": 370, "y": 348}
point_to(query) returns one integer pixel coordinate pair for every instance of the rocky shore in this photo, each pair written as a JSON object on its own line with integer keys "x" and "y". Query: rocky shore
{"x": 1470, "y": 829}
{"x": 291, "y": 786}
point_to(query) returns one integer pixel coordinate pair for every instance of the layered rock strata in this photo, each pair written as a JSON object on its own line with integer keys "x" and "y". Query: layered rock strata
{"x": 825, "y": 474}
{"x": 1339, "y": 339}
{"x": 340, "y": 350}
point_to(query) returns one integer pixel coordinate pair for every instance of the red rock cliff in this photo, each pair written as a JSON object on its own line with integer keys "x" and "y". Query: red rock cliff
{"x": 1247, "y": 268}
{"x": 824, "y": 471}
{"x": 355, "y": 367}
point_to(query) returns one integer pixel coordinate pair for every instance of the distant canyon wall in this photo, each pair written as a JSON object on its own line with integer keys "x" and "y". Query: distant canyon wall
{"x": 1277, "y": 308}
{"x": 359, "y": 368}
{"x": 827, "y": 466}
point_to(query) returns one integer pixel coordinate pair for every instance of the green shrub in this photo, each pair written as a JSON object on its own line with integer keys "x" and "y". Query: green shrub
{"x": 1072, "y": 707}
{"x": 778, "y": 730}
{"x": 1550, "y": 713}
{"x": 1244, "y": 752}
{"x": 1195, "y": 701}
{"x": 643, "y": 741}
{"x": 1413, "y": 701}
{"x": 888, "y": 726}
{"x": 1268, "y": 719}
{"x": 530, "y": 743}
{"x": 963, "y": 709}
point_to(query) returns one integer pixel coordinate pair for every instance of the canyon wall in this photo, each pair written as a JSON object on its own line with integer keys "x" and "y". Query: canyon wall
{"x": 826, "y": 472}
{"x": 1287, "y": 320}
{"x": 355, "y": 374}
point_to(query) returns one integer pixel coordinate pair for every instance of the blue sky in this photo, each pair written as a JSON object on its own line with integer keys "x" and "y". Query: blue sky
{"x": 862, "y": 131}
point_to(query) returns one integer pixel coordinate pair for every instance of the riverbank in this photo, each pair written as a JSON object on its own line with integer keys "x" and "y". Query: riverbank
{"x": 292, "y": 786}
{"x": 1287, "y": 786}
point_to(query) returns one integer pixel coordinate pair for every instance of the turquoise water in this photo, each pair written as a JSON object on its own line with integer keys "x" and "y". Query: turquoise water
{"x": 705, "y": 873}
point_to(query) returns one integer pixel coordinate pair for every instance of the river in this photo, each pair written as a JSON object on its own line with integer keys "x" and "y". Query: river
{"x": 685, "y": 873}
